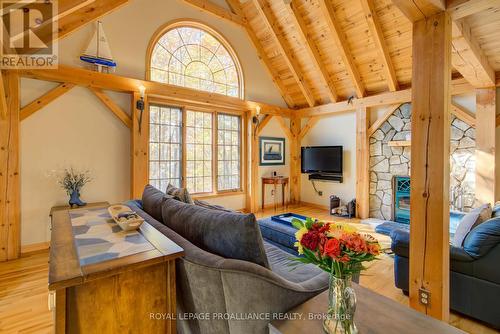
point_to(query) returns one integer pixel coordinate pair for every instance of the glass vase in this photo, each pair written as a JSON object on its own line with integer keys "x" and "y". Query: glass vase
{"x": 341, "y": 307}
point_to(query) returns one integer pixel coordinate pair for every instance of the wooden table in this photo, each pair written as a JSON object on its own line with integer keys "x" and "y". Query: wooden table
{"x": 374, "y": 314}
{"x": 275, "y": 181}
{"x": 110, "y": 295}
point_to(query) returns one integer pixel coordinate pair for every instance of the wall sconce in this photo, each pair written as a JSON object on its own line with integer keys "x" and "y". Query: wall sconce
{"x": 255, "y": 119}
{"x": 140, "y": 105}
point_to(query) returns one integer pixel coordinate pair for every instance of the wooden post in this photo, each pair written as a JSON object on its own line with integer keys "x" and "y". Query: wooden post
{"x": 430, "y": 153}
{"x": 295, "y": 174}
{"x": 10, "y": 215}
{"x": 486, "y": 180}
{"x": 362, "y": 163}
{"x": 139, "y": 147}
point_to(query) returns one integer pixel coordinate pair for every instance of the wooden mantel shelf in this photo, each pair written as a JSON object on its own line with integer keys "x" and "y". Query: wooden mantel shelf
{"x": 400, "y": 143}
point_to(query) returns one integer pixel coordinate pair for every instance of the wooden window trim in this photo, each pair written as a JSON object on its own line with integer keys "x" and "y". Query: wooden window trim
{"x": 243, "y": 142}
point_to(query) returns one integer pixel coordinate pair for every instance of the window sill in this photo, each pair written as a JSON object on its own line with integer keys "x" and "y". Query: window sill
{"x": 220, "y": 194}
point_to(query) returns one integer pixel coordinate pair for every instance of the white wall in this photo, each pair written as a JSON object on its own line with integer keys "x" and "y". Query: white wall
{"x": 77, "y": 130}
{"x": 335, "y": 130}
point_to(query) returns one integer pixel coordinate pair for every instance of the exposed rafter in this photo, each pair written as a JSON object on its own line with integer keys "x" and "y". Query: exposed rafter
{"x": 468, "y": 58}
{"x": 113, "y": 107}
{"x": 378, "y": 37}
{"x": 312, "y": 49}
{"x": 342, "y": 45}
{"x": 44, "y": 100}
{"x": 271, "y": 23}
{"x": 459, "y": 9}
{"x": 416, "y": 10}
{"x": 211, "y": 8}
{"x": 235, "y": 6}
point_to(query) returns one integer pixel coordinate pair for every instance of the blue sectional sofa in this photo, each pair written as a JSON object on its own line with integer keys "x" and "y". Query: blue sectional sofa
{"x": 474, "y": 270}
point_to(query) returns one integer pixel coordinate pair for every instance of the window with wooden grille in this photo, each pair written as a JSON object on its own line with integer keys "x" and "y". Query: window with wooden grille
{"x": 228, "y": 152}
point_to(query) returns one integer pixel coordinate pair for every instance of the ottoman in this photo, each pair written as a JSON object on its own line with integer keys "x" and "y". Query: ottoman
{"x": 279, "y": 234}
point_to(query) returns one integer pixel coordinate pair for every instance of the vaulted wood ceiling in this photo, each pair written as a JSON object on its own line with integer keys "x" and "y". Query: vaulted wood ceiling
{"x": 321, "y": 51}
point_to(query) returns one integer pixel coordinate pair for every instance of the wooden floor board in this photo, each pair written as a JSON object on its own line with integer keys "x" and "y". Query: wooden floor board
{"x": 24, "y": 293}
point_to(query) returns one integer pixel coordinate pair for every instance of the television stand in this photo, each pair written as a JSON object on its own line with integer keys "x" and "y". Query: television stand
{"x": 327, "y": 177}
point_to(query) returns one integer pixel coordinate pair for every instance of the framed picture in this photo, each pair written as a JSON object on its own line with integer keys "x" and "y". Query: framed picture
{"x": 272, "y": 151}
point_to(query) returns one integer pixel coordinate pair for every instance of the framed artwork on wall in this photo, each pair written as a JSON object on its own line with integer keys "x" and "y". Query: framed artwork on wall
{"x": 271, "y": 151}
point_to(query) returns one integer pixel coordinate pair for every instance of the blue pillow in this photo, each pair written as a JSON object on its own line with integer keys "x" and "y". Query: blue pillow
{"x": 483, "y": 238}
{"x": 464, "y": 227}
{"x": 495, "y": 212}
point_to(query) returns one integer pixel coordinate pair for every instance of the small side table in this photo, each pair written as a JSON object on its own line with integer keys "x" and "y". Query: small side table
{"x": 275, "y": 181}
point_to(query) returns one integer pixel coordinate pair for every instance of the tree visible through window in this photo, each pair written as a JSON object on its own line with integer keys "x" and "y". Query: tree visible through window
{"x": 192, "y": 57}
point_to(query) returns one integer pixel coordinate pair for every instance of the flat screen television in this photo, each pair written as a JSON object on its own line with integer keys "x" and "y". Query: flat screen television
{"x": 322, "y": 159}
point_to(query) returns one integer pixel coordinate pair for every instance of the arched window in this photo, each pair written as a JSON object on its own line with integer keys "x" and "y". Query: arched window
{"x": 192, "y": 55}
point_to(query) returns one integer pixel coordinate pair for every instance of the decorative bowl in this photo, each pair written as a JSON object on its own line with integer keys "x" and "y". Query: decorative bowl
{"x": 127, "y": 219}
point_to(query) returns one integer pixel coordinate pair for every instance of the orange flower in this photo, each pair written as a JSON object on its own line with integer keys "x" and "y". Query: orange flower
{"x": 332, "y": 248}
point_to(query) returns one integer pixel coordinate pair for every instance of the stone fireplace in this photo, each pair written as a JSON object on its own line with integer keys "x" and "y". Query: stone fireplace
{"x": 387, "y": 162}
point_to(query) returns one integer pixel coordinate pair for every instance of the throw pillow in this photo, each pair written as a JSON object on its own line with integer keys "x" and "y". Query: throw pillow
{"x": 484, "y": 213}
{"x": 181, "y": 193}
{"x": 152, "y": 200}
{"x": 464, "y": 227}
{"x": 495, "y": 212}
{"x": 228, "y": 234}
{"x": 207, "y": 205}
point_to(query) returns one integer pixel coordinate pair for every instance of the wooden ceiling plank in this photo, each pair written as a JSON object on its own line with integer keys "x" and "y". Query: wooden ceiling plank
{"x": 416, "y": 10}
{"x": 87, "y": 78}
{"x": 463, "y": 115}
{"x": 216, "y": 10}
{"x": 342, "y": 45}
{"x": 312, "y": 49}
{"x": 468, "y": 58}
{"x": 271, "y": 23}
{"x": 378, "y": 37}
{"x": 460, "y": 9}
{"x": 44, "y": 100}
{"x": 112, "y": 106}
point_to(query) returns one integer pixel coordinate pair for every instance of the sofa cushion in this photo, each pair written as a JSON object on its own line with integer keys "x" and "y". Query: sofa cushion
{"x": 282, "y": 264}
{"x": 483, "y": 238}
{"x": 152, "y": 200}
{"x": 466, "y": 224}
{"x": 228, "y": 234}
{"x": 207, "y": 205}
{"x": 181, "y": 193}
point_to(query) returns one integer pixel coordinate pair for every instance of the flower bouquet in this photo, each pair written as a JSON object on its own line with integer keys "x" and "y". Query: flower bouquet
{"x": 339, "y": 250}
{"x": 73, "y": 181}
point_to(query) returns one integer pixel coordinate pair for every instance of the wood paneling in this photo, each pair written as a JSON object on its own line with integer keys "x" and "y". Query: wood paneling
{"x": 460, "y": 9}
{"x": 486, "y": 179}
{"x": 430, "y": 154}
{"x": 10, "y": 188}
{"x": 362, "y": 163}
{"x": 139, "y": 148}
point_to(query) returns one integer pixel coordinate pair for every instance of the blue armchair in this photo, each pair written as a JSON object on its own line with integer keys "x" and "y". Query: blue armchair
{"x": 474, "y": 275}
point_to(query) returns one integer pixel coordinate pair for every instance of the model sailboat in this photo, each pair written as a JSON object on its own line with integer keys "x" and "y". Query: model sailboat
{"x": 98, "y": 52}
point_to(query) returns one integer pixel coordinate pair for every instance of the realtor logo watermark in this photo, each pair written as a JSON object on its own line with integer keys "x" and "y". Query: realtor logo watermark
{"x": 29, "y": 34}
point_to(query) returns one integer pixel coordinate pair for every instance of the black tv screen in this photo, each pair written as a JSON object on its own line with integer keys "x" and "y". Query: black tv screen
{"x": 322, "y": 159}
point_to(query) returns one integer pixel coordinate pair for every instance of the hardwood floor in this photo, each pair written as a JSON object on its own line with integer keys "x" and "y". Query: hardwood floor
{"x": 23, "y": 287}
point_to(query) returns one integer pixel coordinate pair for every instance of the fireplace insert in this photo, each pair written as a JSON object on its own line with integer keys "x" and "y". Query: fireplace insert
{"x": 402, "y": 199}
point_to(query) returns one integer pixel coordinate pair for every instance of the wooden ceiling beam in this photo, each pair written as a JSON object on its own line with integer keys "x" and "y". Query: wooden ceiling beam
{"x": 378, "y": 123}
{"x": 44, "y": 100}
{"x": 87, "y": 78}
{"x": 460, "y": 9}
{"x": 112, "y": 106}
{"x": 378, "y": 37}
{"x": 312, "y": 50}
{"x": 342, "y": 45}
{"x": 3, "y": 99}
{"x": 416, "y": 10}
{"x": 463, "y": 115}
{"x": 468, "y": 58}
{"x": 216, "y": 10}
{"x": 284, "y": 127}
{"x": 458, "y": 87}
{"x": 271, "y": 24}
{"x": 235, "y": 6}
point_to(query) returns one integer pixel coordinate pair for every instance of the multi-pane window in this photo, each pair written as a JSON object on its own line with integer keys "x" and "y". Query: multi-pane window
{"x": 228, "y": 152}
{"x": 199, "y": 146}
{"x": 193, "y": 57}
{"x": 165, "y": 140}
